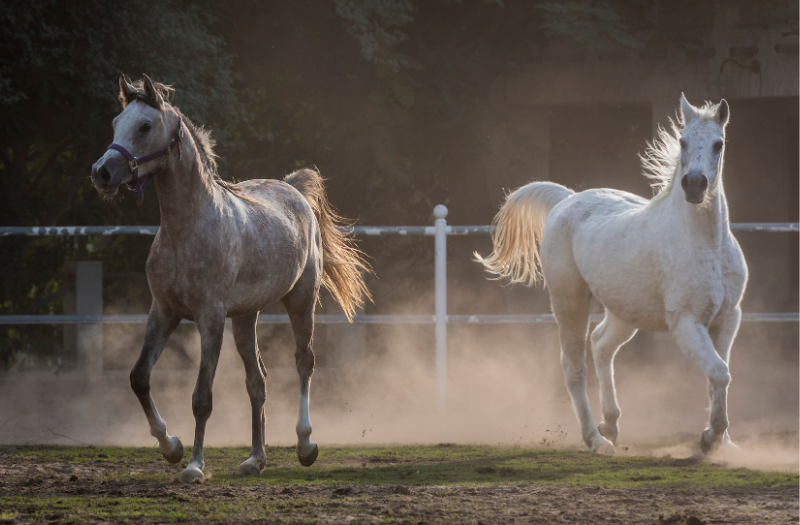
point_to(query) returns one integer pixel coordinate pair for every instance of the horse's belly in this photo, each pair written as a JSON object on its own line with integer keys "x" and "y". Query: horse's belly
{"x": 251, "y": 295}
{"x": 640, "y": 308}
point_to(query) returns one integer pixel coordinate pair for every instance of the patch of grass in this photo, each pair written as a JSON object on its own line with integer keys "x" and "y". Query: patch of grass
{"x": 433, "y": 465}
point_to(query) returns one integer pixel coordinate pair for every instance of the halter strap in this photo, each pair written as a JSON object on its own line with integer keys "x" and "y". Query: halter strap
{"x": 137, "y": 183}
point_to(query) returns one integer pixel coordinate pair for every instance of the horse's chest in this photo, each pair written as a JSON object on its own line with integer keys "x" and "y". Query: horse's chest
{"x": 181, "y": 278}
{"x": 698, "y": 286}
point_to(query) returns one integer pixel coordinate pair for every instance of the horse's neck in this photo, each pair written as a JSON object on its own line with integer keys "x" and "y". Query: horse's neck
{"x": 709, "y": 220}
{"x": 186, "y": 193}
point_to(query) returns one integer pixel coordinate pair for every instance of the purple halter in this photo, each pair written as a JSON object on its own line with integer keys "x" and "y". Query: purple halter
{"x": 138, "y": 184}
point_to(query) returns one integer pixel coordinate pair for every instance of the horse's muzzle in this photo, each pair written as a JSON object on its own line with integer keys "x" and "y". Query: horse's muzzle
{"x": 694, "y": 186}
{"x": 108, "y": 173}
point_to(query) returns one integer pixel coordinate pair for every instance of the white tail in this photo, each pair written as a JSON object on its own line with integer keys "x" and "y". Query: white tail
{"x": 520, "y": 223}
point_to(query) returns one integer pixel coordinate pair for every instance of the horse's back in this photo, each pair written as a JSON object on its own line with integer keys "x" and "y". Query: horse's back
{"x": 275, "y": 197}
{"x": 603, "y": 238}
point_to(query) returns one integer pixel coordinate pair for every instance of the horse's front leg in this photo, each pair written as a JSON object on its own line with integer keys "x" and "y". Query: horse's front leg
{"x": 211, "y": 325}
{"x": 723, "y": 332}
{"x": 244, "y": 333}
{"x": 694, "y": 340}
{"x": 159, "y": 328}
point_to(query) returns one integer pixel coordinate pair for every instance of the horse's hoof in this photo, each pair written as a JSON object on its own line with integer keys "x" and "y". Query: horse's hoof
{"x": 607, "y": 432}
{"x": 727, "y": 444}
{"x": 604, "y": 447}
{"x": 707, "y": 443}
{"x": 192, "y": 475}
{"x": 251, "y": 467}
{"x": 308, "y": 459}
{"x": 173, "y": 451}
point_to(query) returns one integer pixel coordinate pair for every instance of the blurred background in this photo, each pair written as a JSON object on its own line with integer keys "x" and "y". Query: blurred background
{"x": 402, "y": 105}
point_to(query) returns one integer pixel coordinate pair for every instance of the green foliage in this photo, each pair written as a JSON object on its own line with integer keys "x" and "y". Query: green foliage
{"x": 591, "y": 25}
{"x": 58, "y": 95}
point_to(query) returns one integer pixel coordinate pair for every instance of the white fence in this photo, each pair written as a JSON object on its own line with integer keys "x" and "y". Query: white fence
{"x": 89, "y": 303}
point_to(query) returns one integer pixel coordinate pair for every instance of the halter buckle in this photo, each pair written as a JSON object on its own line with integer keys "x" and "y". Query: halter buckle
{"x": 134, "y": 164}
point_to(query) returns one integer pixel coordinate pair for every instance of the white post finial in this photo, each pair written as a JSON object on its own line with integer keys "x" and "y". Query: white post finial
{"x": 440, "y": 256}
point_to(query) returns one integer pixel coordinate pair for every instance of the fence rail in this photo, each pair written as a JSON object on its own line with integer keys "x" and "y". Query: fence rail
{"x": 91, "y": 231}
{"x": 360, "y": 319}
{"x": 88, "y": 325}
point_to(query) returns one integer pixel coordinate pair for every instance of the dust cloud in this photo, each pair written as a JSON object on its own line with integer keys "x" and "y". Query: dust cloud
{"x": 504, "y": 387}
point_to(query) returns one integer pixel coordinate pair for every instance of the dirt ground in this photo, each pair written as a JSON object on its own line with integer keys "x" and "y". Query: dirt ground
{"x": 98, "y": 487}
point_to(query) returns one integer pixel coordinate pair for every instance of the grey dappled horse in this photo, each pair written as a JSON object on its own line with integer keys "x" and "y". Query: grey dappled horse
{"x": 225, "y": 250}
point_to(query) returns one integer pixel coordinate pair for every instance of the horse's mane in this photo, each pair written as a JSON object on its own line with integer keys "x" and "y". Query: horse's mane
{"x": 208, "y": 159}
{"x": 660, "y": 159}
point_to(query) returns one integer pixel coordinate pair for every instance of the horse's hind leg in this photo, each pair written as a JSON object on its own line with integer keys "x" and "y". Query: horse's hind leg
{"x": 244, "y": 333}
{"x": 159, "y": 328}
{"x": 299, "y": 304}
{"x": 607, "y": 338}
{"x": 570, "y": 300}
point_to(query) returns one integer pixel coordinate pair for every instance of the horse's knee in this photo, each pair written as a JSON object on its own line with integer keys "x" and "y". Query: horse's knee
{"x": 719, "y": 377}
{"x": 257, "y": 387}
{"x": 202, "y": 403}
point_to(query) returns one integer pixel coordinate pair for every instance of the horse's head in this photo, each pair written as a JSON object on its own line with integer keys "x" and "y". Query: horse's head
{"x": 702, "y": 145}
{"x": 144, "y": 134}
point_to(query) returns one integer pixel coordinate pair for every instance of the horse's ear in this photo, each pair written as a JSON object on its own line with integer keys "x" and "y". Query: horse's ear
{"x": 126, "y": 91}
{"x": 687, "y": 110}
{"x": 152, "y": 93}
{"x": 723, "y": 113}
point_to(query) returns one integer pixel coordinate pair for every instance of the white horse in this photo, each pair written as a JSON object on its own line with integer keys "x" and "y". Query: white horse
{"x": 670, "y": 263}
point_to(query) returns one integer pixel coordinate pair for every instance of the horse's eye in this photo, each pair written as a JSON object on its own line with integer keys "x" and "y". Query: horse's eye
{"x": 144, "y": 128}
{"x": 718, "y": 146}
{"x": 683, "y": 144}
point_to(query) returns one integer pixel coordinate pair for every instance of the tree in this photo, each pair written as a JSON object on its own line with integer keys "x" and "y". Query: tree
{"x": 58, "y": 75}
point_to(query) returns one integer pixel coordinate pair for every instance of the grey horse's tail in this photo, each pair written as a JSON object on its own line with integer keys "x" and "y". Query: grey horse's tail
{"x": 342, "y": 262}
{"x": 520, "y": 223}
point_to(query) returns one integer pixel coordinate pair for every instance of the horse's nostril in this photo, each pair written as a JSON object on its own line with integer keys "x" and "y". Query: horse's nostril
{"x": 703, "y": 183}
{"x": 685, "y": 183}
{"x": 104, "y": 174}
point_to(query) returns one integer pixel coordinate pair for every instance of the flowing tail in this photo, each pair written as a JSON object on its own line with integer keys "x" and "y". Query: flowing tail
{"x": 520, "y": 223}
{"x": 342, "y": 262}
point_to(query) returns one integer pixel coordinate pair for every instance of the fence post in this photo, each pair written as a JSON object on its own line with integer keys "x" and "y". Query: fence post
{"x": 89, "y": 301}
{"x": 440, "y": 250}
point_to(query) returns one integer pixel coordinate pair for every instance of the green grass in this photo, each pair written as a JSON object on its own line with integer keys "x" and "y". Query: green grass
{"x": 436, "y": 465}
